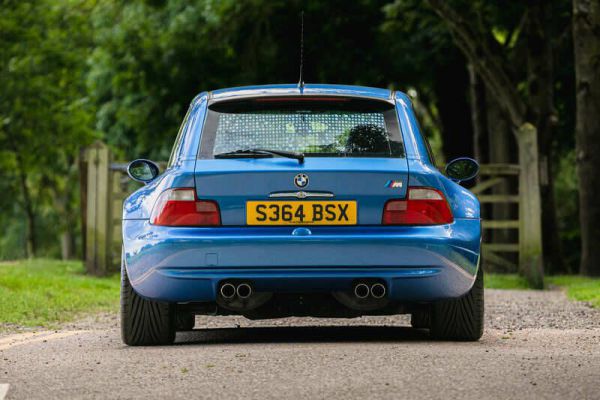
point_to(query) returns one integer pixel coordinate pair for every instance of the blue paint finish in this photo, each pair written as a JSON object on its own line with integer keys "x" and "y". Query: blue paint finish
{"x": 191, "y": 140}
{"x": 161, "y": 260}
{"x": 404, "y": 285}
{"x": 411, "y": 135}
{"x": 417, "y": 263}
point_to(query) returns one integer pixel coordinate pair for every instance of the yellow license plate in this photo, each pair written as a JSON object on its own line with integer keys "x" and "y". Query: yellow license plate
{"x": 301, "y": 212}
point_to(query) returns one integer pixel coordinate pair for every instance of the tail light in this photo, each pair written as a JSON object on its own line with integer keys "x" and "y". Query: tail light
{"x": 179, "y": 207}
{"x": 423, "y": 206}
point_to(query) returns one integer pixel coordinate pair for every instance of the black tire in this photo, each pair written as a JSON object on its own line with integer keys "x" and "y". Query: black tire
{"x": 462, "y": 318}
{"x": 144, "y": 322}
{"x": 185, "y": 321}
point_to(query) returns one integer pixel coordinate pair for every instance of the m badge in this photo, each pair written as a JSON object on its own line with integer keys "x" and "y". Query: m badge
{"x": 393, "y": 184}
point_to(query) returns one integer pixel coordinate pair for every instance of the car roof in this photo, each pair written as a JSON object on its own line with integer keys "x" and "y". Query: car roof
{"x": 295, "y": 90}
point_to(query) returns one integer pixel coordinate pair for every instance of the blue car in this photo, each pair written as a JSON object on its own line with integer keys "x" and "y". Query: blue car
{"x": 312, "y": 200}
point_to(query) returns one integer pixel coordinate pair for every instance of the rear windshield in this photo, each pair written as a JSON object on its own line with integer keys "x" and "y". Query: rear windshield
{"x": 316, "y": 127}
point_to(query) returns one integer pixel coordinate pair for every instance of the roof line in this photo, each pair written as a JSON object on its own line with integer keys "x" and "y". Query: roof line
{"x": 390, "y": 99}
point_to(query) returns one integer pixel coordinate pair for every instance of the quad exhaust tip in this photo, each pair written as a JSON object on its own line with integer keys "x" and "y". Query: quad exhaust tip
{"x": 242, "y": 290}
{"x": 378, "y": 290}
{"x": 363, "y": 290}
{"x": 228, "y": 291}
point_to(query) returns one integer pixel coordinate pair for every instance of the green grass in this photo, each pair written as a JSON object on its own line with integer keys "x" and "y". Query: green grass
{"x": 48, "y": 292}
{"x": 577, "y": 287}
{"x": 505, "y": 281}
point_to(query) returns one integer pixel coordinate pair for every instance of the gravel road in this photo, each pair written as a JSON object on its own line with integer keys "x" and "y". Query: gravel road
{"x": 536, "y": 345}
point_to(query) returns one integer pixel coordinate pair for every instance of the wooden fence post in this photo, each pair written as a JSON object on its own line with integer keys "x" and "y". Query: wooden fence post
{"x": 530, "y": 229}
{"x": 98, "y": 215}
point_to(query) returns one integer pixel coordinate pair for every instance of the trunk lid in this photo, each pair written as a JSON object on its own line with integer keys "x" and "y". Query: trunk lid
{"x": 371, "y": 182}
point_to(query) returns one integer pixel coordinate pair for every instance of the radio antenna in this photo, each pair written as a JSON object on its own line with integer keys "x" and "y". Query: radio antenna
{"x": 301, "y": 80}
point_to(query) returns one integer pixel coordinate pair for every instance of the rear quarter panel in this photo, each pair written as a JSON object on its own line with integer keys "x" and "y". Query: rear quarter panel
{"x": 139, "y": 204}
{"x": 463, "y": 203}
{"x": 422, "y": 171}
{"x": 180, "y": 172}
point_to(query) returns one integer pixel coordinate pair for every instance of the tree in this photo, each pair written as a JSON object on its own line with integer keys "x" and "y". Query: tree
{"x": 44, "y": 116}
{"x": 152, "y": 58}
{"x": 524, "y": 109}
{"x": 586, "y": 38}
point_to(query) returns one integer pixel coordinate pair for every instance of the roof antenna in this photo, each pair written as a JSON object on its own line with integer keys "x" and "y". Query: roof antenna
{"x": 301, "y": 80}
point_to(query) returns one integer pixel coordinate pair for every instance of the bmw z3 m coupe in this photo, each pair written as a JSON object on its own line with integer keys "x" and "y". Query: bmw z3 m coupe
{"x": 315, "y": 200}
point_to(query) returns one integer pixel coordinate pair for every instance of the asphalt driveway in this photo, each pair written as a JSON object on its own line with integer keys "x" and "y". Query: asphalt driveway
{"x": 536, "y": 345}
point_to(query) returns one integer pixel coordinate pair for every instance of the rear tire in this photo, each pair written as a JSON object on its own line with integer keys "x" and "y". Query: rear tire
{"x": 462, "y": 318}
{"x": 144, "y": 322}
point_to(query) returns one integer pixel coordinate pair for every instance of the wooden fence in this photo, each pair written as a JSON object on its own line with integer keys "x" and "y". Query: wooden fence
{"x": 104, "y": 186}
{"x": 494, "y": 253}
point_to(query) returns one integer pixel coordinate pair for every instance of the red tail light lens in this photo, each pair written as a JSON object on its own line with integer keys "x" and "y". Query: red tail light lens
{"x": 423, "y": 206}
{"x": 179, "y": 207}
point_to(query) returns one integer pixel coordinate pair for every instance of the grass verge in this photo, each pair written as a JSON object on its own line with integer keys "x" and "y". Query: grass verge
{"x": 48, "y": 292}
{"x": 577, "y": 287}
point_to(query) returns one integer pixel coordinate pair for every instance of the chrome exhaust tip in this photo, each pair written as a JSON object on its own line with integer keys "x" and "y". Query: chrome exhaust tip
{"x": 244, "y": 290}
{"x": 227, "y": 291}
{"x": 361, "y": 291}
{"x": 378, "y": 290}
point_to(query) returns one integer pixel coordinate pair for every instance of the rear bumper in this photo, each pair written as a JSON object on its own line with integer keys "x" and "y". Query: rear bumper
{"x": 187, "y": 264}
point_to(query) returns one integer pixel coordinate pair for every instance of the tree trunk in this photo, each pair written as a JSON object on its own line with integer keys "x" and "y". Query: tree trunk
{"x": 65, "y": 210}
{"x": 67, "y": 244}
{"x": 31, "y": 246}
{"x": 586, "y": 38}
{"x": 540, "y": 76}
{"x": 30, "y": 240}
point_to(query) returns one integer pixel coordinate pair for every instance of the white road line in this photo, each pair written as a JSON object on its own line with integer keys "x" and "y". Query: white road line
{"x": 3, "y": 390}
{"x": 24, "y": 338}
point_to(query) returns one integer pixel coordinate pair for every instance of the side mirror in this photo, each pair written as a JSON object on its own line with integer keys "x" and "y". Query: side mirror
{"x": 462, "y": 169}
{"x": 141, "y": 170}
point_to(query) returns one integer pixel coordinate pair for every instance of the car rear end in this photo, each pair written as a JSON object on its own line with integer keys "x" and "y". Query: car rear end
{"x": 347, "y": 230}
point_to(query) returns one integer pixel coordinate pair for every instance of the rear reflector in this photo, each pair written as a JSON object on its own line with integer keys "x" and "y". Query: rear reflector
{"x": 179, "y": 207}
{"x": 424, "y": 206}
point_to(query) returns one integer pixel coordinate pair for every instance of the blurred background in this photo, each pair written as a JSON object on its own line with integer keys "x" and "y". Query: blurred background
{"x": 73, "y": 72}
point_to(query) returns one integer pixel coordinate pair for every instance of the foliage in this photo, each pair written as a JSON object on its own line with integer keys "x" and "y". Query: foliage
{"x": 152, "y": 58}
{"x": 44, "y": 113}
{"x": 46, "y": 292}
{"x": 125, "y": 72}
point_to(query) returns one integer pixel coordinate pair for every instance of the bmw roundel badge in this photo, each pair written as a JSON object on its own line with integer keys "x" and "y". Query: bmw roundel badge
{"x": 301, "y": 180}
